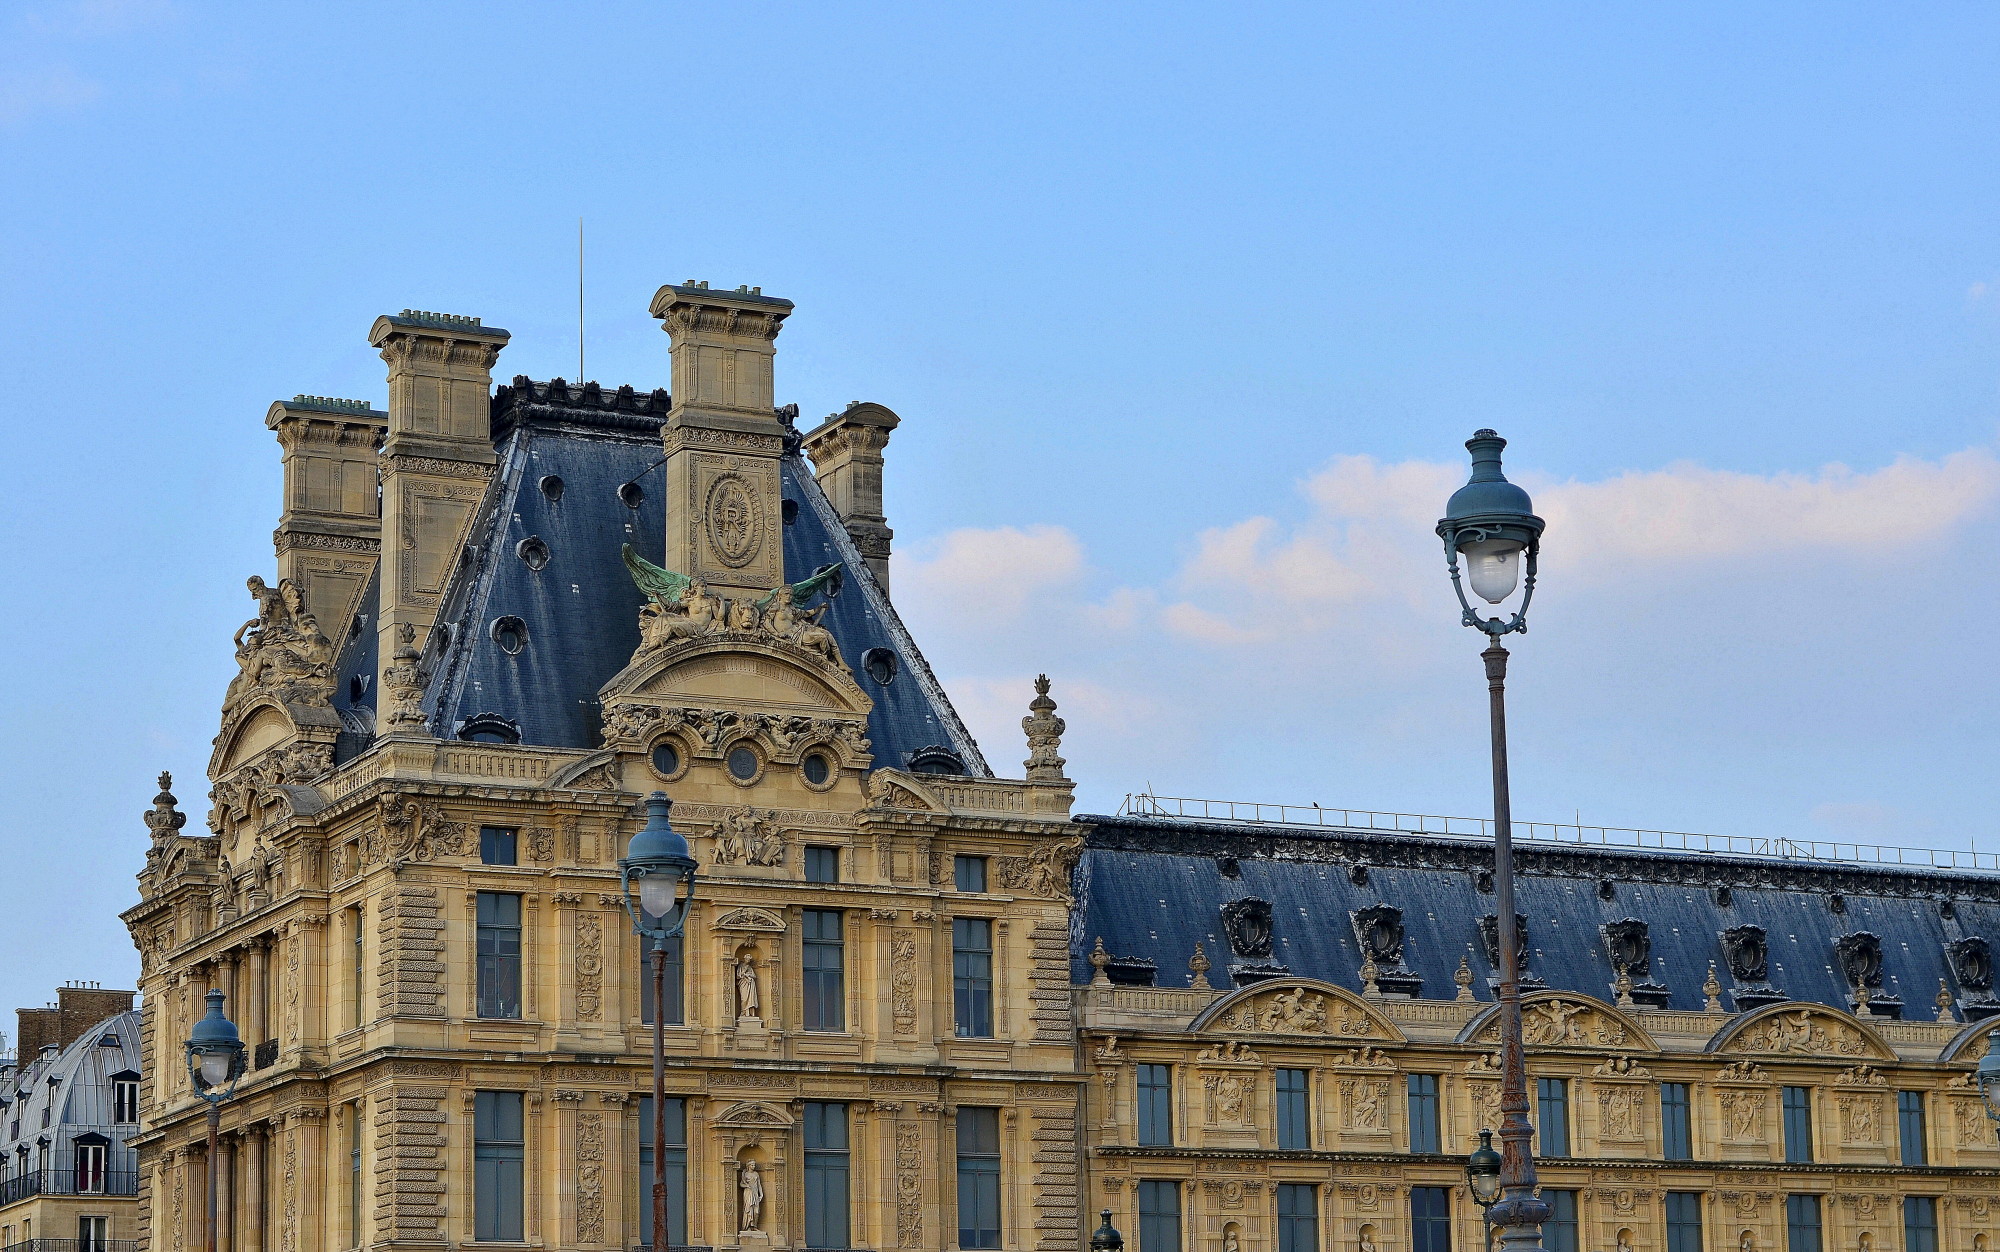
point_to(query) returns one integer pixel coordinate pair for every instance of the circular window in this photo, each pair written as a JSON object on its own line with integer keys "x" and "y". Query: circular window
{"x": 533, "y": 552}
{"x": 880, "y": 664}
{"x": 744, "y": 763}
{"x": 511, "y": 633}
{"x": 817, "y": 767}
{"x": 552, "y": 487}
{"x": 789, "y": 510}
{"x": 667, "y": 759}
{"x": 632, "y": 494}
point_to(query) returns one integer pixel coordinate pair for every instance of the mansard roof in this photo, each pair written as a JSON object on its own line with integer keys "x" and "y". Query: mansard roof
{"x": 1154, "y": 887}
{"x": 74, "y": 1086}
{"x": 544, "y": 551}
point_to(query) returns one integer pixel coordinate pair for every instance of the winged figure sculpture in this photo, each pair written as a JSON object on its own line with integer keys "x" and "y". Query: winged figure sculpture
{"x": 664, "y": 587}
{"x": 827, "y": 578}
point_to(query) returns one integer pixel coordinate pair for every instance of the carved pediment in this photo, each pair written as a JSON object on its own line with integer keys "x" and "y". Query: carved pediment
{"x": 1798, "y": 1029}
{"x": 735, "y": 668}
{"x": 894, "y": 789}
{"x": 1560, "y": 1019}
{"x": 1296, "y": 1007}
{"x": 756, "y": 1114}
{"x": 750, "y": 919}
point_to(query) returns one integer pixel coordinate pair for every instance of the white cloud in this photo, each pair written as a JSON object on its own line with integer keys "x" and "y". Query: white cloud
{"x": 994, "y": 574}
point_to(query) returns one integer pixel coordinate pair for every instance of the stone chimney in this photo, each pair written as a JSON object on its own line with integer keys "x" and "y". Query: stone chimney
{"x": 80, "y": 1006}
{"x": 437, "y": 455}
{"x": 330, "y": 533}
{"x": 35, "y": 1029}
{"x": 723, "y": 438}
{"x": 846, "y": 451}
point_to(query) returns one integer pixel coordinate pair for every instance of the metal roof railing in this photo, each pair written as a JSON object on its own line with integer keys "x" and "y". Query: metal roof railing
{"x": 1146, "y": 804}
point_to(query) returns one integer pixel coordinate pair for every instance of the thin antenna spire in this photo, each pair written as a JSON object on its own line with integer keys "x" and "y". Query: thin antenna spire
{"x": 579, "y": 301}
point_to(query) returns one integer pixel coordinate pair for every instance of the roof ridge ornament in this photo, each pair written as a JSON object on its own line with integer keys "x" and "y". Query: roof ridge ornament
{"x": 1045, "y": 731}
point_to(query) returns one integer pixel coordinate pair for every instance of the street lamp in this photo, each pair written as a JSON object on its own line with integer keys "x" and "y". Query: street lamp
{"x": 215, "y": 1061}
{"x": 1106, "y": 1237}
{"x": 656, "y": 876}
{"x": 1482, "y": 1176}
{"x": 1989, "y": 1077}
{"x": 1491, "y": 523}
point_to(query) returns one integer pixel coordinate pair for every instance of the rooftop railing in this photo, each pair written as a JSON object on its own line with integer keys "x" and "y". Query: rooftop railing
{"x": 1145, "y": 804}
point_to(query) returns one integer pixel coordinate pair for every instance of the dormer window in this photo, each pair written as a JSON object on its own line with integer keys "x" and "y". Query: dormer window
{"x": 489, "y": 728}
{"x": 125, "y": 1097}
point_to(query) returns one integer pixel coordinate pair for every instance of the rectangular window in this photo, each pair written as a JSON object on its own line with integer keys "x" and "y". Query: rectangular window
{"x": 496, "y": 846}
{"x": 1920, "y": 1233}
{"x": 972, "y": 977}
{"x": 825, "y": 980}
{"x": 1552, "y": 1111}
{"x": 92, "y": 1234}
{"x": 675, "y": 1012}
{"x": 1424, "y": 1129}
{"x": 1676, "y": 1139}
{"x": 125, "y": 1100}
{"x": 822, "y": 864}
{"x": 354, "y": 1239}
{"x": 676, "y": 1161}
{"x": 498, "y": 1147}
{"x": 1430, "y": 1219}
{"x": 1798, "y": 1126}
{"x": 1294, "y": 1108}
{"x": 979, "y": 1178}
{"x": 968, "y": 873}
{"x": 1559, "y": 1232}
{"x": 826, "y": 1175}
{"x": 499, "y": 954}
{"x": 1684, "y": 1221}
{"x": 1298, "y": 1217}
{"x": 1156, "y": 1105}
{"x": 358, "y": 975}
{"x": 1159, "y": 1215}
{"x": 90, "y": 1161}
{"x": 1910, "y": 1128}
{"x": 1801, "y": 1221}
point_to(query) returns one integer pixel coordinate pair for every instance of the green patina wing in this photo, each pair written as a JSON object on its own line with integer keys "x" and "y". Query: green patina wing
{"x": 663, "y": 586}
{"x": 826, "y": 578}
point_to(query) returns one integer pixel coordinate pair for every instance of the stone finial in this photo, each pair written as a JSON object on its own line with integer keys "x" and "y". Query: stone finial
{"x": 1199, "y": 964}
{"x": 1624, "y": 989}
{"x": 1861, "y": 999}
{"x": 1045, "y": 732}
{"x": 404, "y": 681}
{"x": 163, "y": 819}
{"x": 1944, "y": 1013}
{"x": 1099, "y": 958}
{"x": 1711, "y": 987}
{"x": 1464, "y": 980}
{"x": 1369, "y": 973}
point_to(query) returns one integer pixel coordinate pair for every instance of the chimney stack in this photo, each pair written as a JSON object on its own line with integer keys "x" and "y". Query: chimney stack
{"x": 723, "y": 438}
{"x": 330, "y": 533}
{"x": 437, "y": 455}
{"x": 846, "y": 452}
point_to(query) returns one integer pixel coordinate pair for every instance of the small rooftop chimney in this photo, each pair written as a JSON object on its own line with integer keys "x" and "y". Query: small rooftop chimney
{"x": 330, "y": 532}
{"x": 846, "y": 451}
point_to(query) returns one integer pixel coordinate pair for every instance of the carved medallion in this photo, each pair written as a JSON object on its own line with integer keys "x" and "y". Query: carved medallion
{"x": 735, "y": 521}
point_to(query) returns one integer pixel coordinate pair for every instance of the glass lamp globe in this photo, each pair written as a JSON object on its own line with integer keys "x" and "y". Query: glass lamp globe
{"x": 215, "y": 1068}
{"x": 656, "y": 895}
{"x": 1493, "y": 566}
{"x": 1482, "y": 1170}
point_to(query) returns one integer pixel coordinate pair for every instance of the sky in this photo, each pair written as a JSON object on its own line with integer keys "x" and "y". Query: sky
{"x": 1187, "y": 311}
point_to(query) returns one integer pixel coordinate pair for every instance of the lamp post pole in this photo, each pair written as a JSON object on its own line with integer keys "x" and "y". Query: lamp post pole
{"x": 1490, "y": 522}
{"x": 657, "y": 876}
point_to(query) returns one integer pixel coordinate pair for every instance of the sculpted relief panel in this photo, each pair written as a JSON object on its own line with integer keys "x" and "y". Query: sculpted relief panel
{"x": 1298, "y": 1011}
{"x": 1803, "y": 1032}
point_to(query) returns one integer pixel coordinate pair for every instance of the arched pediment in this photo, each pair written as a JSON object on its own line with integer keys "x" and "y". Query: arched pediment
{"x": 1972, "y": 1043}
{"x": 1563, "y": 1019}
{"x": 897, "y": 789}
{"x": 262, "y": 727}
{"x": 756, "y": 1114}
{"x": 1800, "y": 1028}
{"x": 729, "y": 670}
{"x": 749, "y": 918}
{"x": 1296, "y": 1006}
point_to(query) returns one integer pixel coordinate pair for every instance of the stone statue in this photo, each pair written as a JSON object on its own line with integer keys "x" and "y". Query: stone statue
{"x": 747, "y": 1002}
{"x": 751, "y": 1184}
{"x": 1367, "y": 1243}
{"x": 1867, "y": 1242}
{"x": 1624, "y": 1240}
{"x": 1746, "y": 1242}
{"x": 1230, "y": 1243}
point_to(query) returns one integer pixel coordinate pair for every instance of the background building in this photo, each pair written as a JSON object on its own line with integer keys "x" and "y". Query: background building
{"x": 69, "y": 1103}
{"x": 916, "y": 1006}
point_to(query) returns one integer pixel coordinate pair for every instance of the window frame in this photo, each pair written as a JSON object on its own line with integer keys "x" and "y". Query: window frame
{"x": 125, "y": 1099}
{"x": 1160, "y": 1227}
{"x": 968, "y": 870}
{"x": 1153, "y": 1098}
{"x": 1676, "y": 1225}
{"x": 972, "y": 978}
{"x": 1552, "y": 1092}
{"x": 499, "y": 1167}
{"x": 1430, "y": 1231}
{"x": 1292, "y": 1108}
{"x": 1801, "y": 1234}
{"x": 677, "y": 1167}
{"x": 981, "y": 1193}
{"x": 496, "y": 841}
{"x": 1421, "y": 1111}
{"x": 821, "y": 863}
{"x": 828, "y": 1175}
{"x": 1912, "y": 1129}
{"x": 823, "y": 971}
{"x": 356, "y": 1159}
{"x": 1291, "y": 1226}
{"x": 496, "y": 969}
{"x": 676, "y": 972}
{"x": 1561, "y": 1232}
{"x": 1795, "y": 1104}
{"x": 1676, "y": 1122}
{"x": 1912, "y": 1228}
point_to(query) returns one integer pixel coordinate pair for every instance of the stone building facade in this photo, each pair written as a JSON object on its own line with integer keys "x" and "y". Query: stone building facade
{"x": 918, "y": 1005}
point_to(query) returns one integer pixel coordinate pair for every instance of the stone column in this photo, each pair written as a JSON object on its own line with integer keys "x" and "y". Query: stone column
{"x": 254, "y": 1199}
{"x": 255, "y": 1011}
{"x": 225, "y": 1194}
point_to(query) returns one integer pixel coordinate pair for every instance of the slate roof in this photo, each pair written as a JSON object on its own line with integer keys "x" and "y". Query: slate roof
{"x": 579, "y": 611}
{"x": 74, "y": 1088}
{"x": 1154, "y": 887}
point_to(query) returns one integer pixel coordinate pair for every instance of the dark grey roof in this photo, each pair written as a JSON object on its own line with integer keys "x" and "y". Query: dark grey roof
{"x": 74, "y": 1087}
{"x": 580, "y": 610}
{"x": 1154, "y": 887}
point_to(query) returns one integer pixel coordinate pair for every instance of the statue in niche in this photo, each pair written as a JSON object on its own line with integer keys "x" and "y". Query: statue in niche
{"x": 1746, "y": 1242}
{"x": 750, "y": 1184}
{"x": 748, "y": 1003}
{"x": 1624, "y": 1239}
{"x": 1867, "y": 1242}
{"x": 1230, "y": 1243}
{"x": 1366, "y": 1243}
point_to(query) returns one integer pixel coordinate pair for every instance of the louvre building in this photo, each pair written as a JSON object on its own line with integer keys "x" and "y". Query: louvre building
{"x": 919, "y": 1003}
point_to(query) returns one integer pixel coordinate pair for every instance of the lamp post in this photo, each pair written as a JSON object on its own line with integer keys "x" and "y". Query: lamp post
{"x": 1989, "y": 1078}
{"x": 1106, "y": 1237}
{"x": 656, "y": 878}
{"x": 1491, "y": 523}
{"x": 215, "y": 1062}
{"x": 1482, "y": 1177}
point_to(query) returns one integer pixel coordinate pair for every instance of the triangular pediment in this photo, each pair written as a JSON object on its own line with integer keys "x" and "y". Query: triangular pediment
{"x": 755, "y": 1113}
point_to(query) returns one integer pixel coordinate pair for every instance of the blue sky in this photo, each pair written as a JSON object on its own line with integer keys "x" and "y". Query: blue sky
{"x": 1187, "y": 310}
